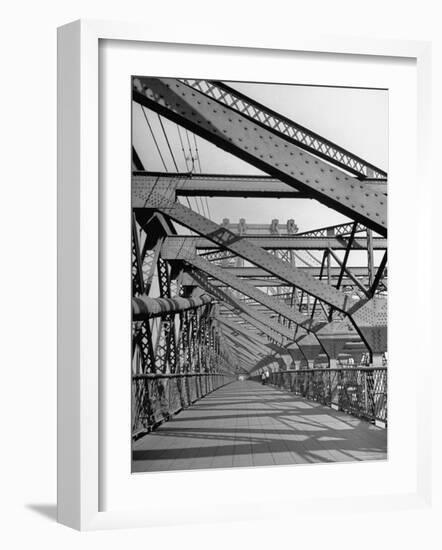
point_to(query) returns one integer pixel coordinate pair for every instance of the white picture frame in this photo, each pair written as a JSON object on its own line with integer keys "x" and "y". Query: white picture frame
{"x": 79, "y": 294}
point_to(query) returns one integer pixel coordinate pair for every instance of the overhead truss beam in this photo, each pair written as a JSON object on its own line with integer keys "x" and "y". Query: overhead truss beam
{"x": 279, "y": 242}
{"x": 220, "y": 185}
{"x": 260, "y": 146}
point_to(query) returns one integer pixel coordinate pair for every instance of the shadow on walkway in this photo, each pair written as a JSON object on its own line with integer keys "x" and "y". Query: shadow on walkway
{"x": 247, "y": 424}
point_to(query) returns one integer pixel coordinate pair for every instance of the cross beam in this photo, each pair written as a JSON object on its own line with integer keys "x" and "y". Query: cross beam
{"x": 281, "y": 242}
{"x": 221, "y": 185}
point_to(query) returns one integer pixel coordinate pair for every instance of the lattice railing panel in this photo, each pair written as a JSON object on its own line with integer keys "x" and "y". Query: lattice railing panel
{"x": 361, "y": 392}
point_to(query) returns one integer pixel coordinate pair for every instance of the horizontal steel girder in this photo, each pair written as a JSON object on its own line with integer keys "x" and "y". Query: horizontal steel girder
{"x": 220, "y": 185}
{"x": 261, "y": 274}
{"x": 279, "y": 242}
{"x": 144, "y": 307}
{"x": 272, "y": 282}
{"x": 262, "y": 148}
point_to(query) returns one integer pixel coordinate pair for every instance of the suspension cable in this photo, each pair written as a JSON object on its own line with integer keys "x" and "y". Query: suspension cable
{"x": 168, "y": 143}
{"x": 154, "y": 139}
{"x": 201, "y": 171}
{"x": 197, "y": 153}
{"x": 182, "y": 147}
{"x": 192, "y": 167}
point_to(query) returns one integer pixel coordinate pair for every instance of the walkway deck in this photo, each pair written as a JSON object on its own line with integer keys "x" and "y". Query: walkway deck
{"x": 247, "y": 424}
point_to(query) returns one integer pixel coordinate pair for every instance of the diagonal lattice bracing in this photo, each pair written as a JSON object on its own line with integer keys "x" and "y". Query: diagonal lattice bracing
{"x": 301, "y": 136}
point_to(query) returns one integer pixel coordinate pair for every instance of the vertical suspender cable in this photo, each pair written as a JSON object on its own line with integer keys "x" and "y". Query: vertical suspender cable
{"x": 154, "y": 139}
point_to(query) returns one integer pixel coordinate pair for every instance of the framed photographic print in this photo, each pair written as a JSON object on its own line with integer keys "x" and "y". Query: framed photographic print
{"x": 229, "y": 325}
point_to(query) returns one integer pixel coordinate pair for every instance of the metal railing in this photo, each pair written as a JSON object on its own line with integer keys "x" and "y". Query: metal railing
{"x": 156, "y": 397}
{"x": 361, "y": 392}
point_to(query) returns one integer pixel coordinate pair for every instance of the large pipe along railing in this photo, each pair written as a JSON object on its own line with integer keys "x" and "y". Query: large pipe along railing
{"x": 156, "y": 397}
{"x": 361, "y": 392}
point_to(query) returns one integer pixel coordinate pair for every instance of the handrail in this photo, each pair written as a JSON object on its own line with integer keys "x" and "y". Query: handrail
{"x": 359, "y": 391}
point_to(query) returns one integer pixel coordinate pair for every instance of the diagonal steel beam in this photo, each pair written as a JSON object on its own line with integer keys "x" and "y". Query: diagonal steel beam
{"x": 250, "y": 345}
{"x": 237, "y": 327}
{"x": 262, "y": 148}
{"x": 263, "y": 323}
{"x": 160, "y": 198}
{"x": 290, "y": 130}
{"x": 240, "y": 285}
{"x": 242, "y": 347}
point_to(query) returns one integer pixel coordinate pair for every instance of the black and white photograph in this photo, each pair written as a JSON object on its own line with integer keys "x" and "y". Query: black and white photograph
{"x": 259, "y": 274}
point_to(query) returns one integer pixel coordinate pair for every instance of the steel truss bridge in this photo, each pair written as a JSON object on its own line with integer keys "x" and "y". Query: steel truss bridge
{"x": 214, "y": 302}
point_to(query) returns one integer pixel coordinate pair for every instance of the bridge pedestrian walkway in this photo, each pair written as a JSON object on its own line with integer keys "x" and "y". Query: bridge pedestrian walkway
{"x": 247, "y": 424}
